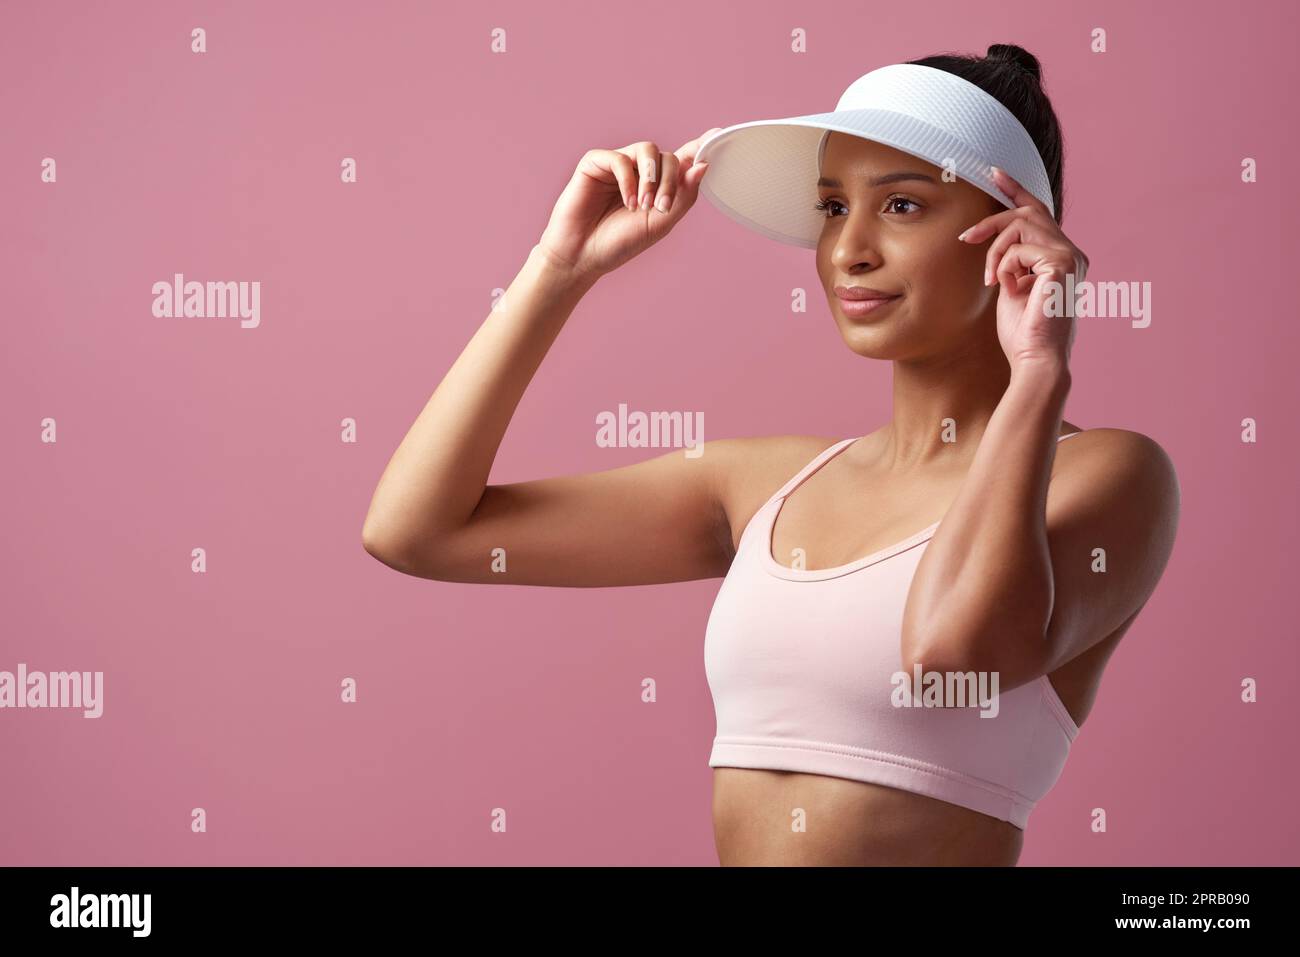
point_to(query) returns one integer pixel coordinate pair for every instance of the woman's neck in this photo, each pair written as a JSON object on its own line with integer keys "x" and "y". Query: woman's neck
{"x": 939, "y": 403}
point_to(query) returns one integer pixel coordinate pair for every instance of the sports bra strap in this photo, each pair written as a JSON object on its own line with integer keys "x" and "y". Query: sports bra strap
{"x": 811, "y": 467}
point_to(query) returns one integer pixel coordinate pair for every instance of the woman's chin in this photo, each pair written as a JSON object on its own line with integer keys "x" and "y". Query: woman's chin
{"x": 870, "y": 342}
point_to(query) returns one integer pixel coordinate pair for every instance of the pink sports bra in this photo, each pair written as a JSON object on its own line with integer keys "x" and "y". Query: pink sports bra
{"x": 802, "y": 663}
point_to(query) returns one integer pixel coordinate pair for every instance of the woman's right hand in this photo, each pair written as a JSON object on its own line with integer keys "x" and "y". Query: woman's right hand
{"x": 608, "y": 213}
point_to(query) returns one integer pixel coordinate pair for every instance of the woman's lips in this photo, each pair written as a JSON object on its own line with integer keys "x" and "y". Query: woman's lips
{"x": 862, "y": 307}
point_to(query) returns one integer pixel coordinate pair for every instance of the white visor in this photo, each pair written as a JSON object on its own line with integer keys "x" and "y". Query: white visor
{"x": 763, "y": 174}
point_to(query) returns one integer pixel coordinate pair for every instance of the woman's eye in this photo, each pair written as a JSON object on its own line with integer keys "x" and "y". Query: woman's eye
{"x": 826, "y": 204}
{"x": 889, "y": 203}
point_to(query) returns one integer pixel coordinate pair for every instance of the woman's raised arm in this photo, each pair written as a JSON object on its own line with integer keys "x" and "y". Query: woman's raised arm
{"x": 433, "y": 515}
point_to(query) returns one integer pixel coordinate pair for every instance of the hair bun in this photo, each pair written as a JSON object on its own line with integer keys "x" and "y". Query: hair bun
{"x": 1010, "y": 53}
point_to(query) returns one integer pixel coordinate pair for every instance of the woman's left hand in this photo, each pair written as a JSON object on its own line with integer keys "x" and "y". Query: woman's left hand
{"x": 1028, "y": 255}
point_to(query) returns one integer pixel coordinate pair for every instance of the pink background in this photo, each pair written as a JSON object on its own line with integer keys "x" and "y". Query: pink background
{"x": 222, "y": 689}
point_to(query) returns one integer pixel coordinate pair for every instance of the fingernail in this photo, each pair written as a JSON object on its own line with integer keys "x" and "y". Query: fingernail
{"x": 986, "y": 276}
{"x": 962, "y": 237}
{"x": 645, "y": 201}
{"x": 631, "y": 202}
{"x": 662, "y": 205}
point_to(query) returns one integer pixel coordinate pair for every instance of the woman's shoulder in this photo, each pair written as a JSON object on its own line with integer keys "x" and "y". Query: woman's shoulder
{"x": 749, "y": 470}
{"x": 1119, "y": 447}
{"x": 761, "y": 460}
{"x": 1118, "y": 462}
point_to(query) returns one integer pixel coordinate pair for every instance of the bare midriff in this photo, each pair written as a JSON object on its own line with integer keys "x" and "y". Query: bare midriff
{"x": 787, "y": 818}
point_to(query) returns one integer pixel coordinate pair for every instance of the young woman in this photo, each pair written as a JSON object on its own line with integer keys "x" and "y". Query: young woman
{"x": 957, "y": 539}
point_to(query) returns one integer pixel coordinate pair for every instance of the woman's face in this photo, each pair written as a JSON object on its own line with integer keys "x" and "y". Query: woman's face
{"x": 892, "y": 225}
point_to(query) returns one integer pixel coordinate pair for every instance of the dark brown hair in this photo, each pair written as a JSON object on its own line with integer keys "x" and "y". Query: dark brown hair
{"x": 1013, "y": 76}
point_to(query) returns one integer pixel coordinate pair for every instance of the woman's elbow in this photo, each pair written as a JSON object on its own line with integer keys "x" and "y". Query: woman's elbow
{"x": 384, "y": 547}
{"x": 967, "y": 646}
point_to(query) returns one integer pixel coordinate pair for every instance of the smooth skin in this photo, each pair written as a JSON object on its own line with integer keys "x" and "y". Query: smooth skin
{"x": 1007, "y": 582}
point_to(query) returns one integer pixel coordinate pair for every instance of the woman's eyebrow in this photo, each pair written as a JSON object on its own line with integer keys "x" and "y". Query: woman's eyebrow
{"x": 830, "y": 183}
